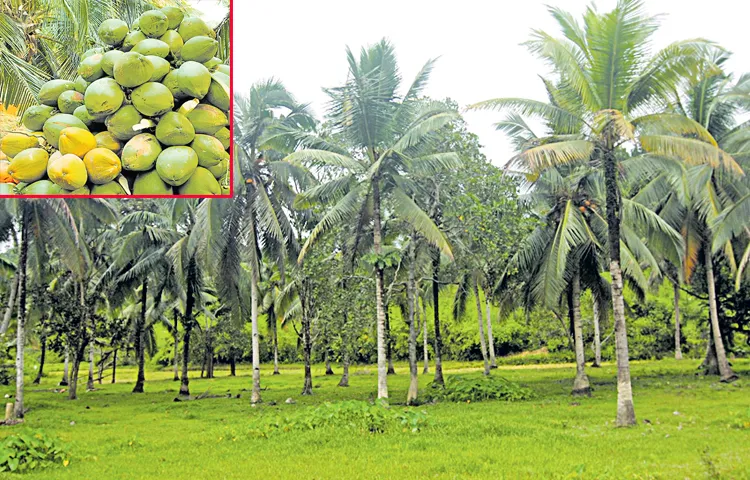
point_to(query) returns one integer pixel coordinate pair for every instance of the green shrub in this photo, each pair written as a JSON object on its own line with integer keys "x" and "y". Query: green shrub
{"x": 28, "y": 451}
{"x": 477, "y": 388}
{"x": 353, "y": 415}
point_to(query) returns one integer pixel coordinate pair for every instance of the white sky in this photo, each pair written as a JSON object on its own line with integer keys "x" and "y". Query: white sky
{"x": 302, "y": 43}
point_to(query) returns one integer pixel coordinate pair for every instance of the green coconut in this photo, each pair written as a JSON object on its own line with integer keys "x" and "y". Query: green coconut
{"x": 57, "y": 123}
{"x": 207, "y": 119}
{"x": 83, "y": 115}
{"x": 84, "y": 190}
{"x": 212, "y": 64}
{"x": 175, "y": 129}
{"x": 161, "y": 68}
{"x": 224, "y": 137}
{"x": 199, "y": 49}
{"x": 176, "y": 165}
{"x": 109, "y": 188}
{"x": 92, "y": 51}
{"x": 140, "y": 153}
{"x": 121, "y": 123}
{"x": 194, "y": 79}
{"x": 223, "y": 69}
{"x": 152, "y": 99}
{"x": 174, "y": 40}
{"x": 152, "y": 46}
{"x": 7, "y": 188}
{"x": 171, "y": 82}
{"x": 174, "y": 15}
{"x": 132, "y": 39}
{"x": 153, "y": 23}
{"x": 150, "y": 183}
{"x": 68, "y": 101}
{"x": 113, "y": 31}
{"x": 195, "y": 27}
{"x": 220, "y": 169}
{"x": 29, "y": 165}
{"x": 34, "y": 117}
{"x": 103, "y": 97}
{"x": 91, "y": 68}
{"x": 132, "y": 69}
{"x": 218, "y": 92}
{"x": 109, "y": 59}
{"x": 80, "y": 85}
{"x": 209, "y": 149}
{"x": 51, "y": 90}
{"x": 42, "y": 187}
{"x": 108, "y": 141}
{"x": 201, "y": 182}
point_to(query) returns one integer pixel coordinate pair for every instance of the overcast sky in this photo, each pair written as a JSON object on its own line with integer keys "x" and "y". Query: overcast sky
{"x": 303, "y": 42}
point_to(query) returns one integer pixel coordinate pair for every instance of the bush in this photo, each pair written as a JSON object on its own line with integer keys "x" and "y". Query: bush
{"x": 477, "y": 388}
{"x": 354, "y": 415}
{"x": 26, "y": 451}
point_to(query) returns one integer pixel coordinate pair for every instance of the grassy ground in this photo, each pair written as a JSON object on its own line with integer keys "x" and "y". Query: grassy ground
{"x": 684, "y": 429}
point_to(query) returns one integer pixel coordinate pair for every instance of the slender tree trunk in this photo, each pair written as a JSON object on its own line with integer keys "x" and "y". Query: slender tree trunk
{"x": 176, "y": 339}
{"x": 232, "y": 365}
{"x": 710, "y": 364}
{"x": 344, "y": 382}
{"x": 382, "y": 360}
{"x": 482, "y": 342}
{"x": 39, "y": 374}
{"x": 21, "y": 322}
{"x": 255, "y": 395}
{"x": 677, "y": 347}
{"x": 275, "y": 349}
{"x": 490, "y": 337}
{"x": 307, "y": 388}
{"x": 114, "y": 366}
{"x": 11, "y": 304}
{"x": 187, "y": 320}
{"x": 389, "y": 341}
{"x": 327, "y": 353}
{"x": 66, "y": 366}
{"x": 625, "y": 407}
{"x": 438, "y": 380}
{"x": 727, "y": 375}
{"x": 598, "y": 311}
{"x": 139, "y": 343}
{"x": 90, "y": 379}
{"x": 73, "y": 383}
{"x": 581, "y": 384}
{"x": 425, "y": 352}
{"x": 411, "y": 288}
{"x": 101, "y": 365}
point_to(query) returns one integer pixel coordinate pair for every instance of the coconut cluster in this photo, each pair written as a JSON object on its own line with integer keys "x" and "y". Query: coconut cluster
{"x": 148, "y": 114}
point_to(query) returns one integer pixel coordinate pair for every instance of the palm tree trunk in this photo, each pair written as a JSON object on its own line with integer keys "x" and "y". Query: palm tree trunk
{"x": 677, "y": 347}
{"x": 187, "y": 320}
{"x": 425, "y": 343}
{"x": 255, "y": 395}
{"x": 90, "y": 379}
{"x": 39, "y": 374}
{"x": 176, "y": 339}
{"x": 21, "y": 323}
{"x": 66, "y": 366}
{"x": 598, "y": 310}
{"x": 710, "y": 364}
{"x": 381, "y": 338}
{"x": 101, "y": 366}
{"x": 11, "y": 304}
{"x": 411, "y": 290}
{"x": 438, "y": 380}
{"x": 344, "y": 382}
{"x": 727, "y": 375}
{"x": 307, "y": 388}
{"x": 625, "y": 407}
{"x": 139, "y": 343}
{"x": 73, "y": 384}
{"x": 327, "y": 352}
{"x": 490, "y": 337}
{"x": 232, "y": 364}
{"x": 581, "y": 384}
{"x": 389, "y": 341}
{"x": 114, "y": 366}
{"x": 482, "y": 342}
{"x": 275, "y": 348}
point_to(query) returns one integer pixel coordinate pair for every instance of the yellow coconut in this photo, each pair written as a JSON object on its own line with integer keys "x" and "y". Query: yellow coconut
{"x": 29, "y": 165}
{"x": 76, "y": 141}
{"x": 14, "y": 143}
{"x": 68, "y": 172}
{"x": 103, "y": 165}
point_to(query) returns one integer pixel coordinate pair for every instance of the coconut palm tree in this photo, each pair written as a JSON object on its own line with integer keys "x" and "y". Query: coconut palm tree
{"x": 606, "y": 77}
{"x": 386, "y": 134}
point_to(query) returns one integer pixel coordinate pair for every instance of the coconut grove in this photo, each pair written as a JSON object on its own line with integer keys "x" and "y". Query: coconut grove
{"x": 380, "y": 300}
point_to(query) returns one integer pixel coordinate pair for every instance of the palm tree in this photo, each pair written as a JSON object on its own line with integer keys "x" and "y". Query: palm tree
{"x": 606, "y": 77}
{"x": 386, "y": 135}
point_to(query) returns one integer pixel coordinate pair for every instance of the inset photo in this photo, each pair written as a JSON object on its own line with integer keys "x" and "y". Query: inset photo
{"x": 115, "y": 98}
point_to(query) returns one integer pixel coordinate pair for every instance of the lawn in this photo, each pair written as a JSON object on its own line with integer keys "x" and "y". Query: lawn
{"x": 688, "y": 427}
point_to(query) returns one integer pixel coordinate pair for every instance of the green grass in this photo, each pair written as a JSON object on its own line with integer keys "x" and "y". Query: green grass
{"x": 120, "y": 435}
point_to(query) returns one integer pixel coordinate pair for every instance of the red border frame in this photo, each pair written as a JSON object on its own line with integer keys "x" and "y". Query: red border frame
{"x": 231, "y": 139}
